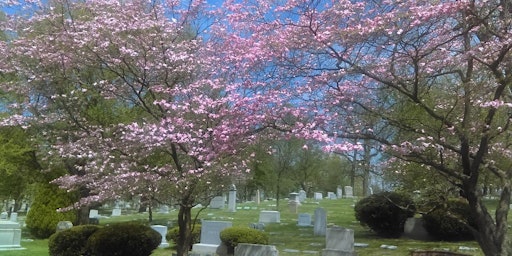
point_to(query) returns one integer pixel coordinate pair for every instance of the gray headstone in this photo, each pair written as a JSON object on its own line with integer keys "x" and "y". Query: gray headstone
{"x": 318, "y": 196}
{"x": 164, "y": 209}
{"x": 349, "y": 192}
{"x": 341, "y": 239}
{"x": 163, "y": 232}
{"x": 255, "y": 250}
{"x": 331, "y": 195}
{"x": 210, "y": 231}
{"x": 320, "y": 225}
{"x": 232, "y": 199}
{"x": 414, "y": 229}
{"x": 4, "y": 215}
{"x": 304, "y": 220}
{"x": 270, "y": 217}
{"x": 63, "y": 225}
{"x": 217, "y": 202}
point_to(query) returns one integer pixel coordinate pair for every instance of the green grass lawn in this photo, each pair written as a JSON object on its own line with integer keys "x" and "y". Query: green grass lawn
{"x": 285, "y": 235}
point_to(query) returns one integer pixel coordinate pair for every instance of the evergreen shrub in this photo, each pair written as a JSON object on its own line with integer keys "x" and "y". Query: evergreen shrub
{"x": 71, "y": 242}
{"x": 449, "y": 221}
{"x": 232, "y": 236}
{"x": 385, "y": 213}
{"x": 120, "y": 239}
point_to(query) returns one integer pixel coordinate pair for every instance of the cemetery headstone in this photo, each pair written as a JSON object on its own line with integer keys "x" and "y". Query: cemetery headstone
{"x": 63, "y": 225}
{"x": 217, "y": 202}
{"x": 116, "y": 212}
{"x": 270, "y": 217}
{"x": 331, "y": 195}
{"x": 414, "y": 229}
{"x": 318, "y": 196}
{"x": 4, "y": 215}
{"x": 304, "y": 220}
{"x": 293, "y": 206}
{"x": 258, "y": 198}
{"x": 243, "y": 249}
{"x": 164, "y": 209}
{"x": 14, "y": 217}
{"x": 10, "y": 235}
{"x": 302, "y": 196}
{"x": 339, "y": 192}
{"x": 93, "y": 214}
{"x": 232, "y": 199}
{"x": 210, "y": 236}
{"x": 349, "y": 192}
{"x": 320, "y": 225}
{"x": 163, "y": 232}
{"x": 294, "y": 197}
{"x": 339, "y": 242}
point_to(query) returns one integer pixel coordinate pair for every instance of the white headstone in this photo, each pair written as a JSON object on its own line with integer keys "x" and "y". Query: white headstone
{"x": 10, "y": 235}
{"x": 14, "y": 217}
{"x": 339, "y": 192}
{"x": 331, "y": 195}
{"x": 304, "y": 220}
{"x": 4, "y": 215}
{"x": 318, "y": 196}
{"x": 270, "y": 217}
{"x": 93, "y": 214}
{"x": 217, "y": 202}
{"x": 163, "y": 232}
{"x": 349, "y": 192}
{"x": 164, "y": 209}
{"x": 320, "y": 225}
{"x": 302, "y": 196}
{"x": 116, "y": 212}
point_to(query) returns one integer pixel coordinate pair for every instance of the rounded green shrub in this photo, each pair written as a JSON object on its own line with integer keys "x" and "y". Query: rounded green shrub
{"x": 232, "y": 236}
{"x": 122, "y": 239}
{"x": 71, "y": 242}
{"x": 174, "y": 234}
{"x": 385, "y": 213}
{"x": 43, "y": 216}
{"x": 449, "y": 222}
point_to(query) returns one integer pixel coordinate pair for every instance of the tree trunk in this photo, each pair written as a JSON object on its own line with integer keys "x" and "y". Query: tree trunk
{"x": 491, "y": 234}
{"x": 83, "y": 215}
{"x": 185, "y": 229}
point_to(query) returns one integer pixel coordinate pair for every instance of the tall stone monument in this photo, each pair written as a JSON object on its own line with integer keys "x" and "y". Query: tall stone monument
{"x": 232, "y": 198}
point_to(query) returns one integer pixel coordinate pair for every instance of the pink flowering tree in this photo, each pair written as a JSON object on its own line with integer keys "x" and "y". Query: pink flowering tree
{"x": 133, "y": 99}
{"x": 437, "y": 74}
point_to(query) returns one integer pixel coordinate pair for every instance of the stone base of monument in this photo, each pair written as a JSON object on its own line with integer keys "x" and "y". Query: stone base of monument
{"x": 243, "y": 249}
{"x": 332, "y": 252}
{"x": 204, "y": 249}
{"x": 10, "y": 236}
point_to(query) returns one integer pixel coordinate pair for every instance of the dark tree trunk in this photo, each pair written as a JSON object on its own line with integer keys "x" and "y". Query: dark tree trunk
{"x": 185, "y": 229}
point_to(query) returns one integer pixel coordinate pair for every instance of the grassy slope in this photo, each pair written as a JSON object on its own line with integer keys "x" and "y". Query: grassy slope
{"x": 285, "y": 235}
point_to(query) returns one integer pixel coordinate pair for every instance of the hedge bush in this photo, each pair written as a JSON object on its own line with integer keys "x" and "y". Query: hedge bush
{"x": 122, "y": 239}
{"x": 43, "y": 217}
{"x": 385, "y": 213}
{"x": 447, "y": 223}
{"x": 174, "y": 234}
{"x": 71, "y": 242}
{"x": 232, "y": 236}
